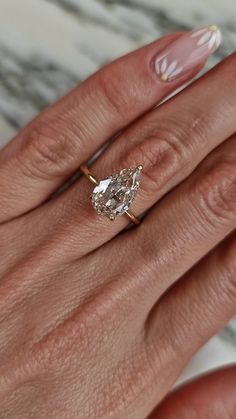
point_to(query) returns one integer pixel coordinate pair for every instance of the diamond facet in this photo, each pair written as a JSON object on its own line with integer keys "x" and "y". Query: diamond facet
{"x": 114, "y": 195}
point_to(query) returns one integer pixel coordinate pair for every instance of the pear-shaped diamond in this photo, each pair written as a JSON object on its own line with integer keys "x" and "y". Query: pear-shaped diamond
{"x": 114, "y": 195}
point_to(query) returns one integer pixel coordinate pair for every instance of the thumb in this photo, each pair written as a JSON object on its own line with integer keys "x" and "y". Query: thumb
{"x": 212, "y": 396}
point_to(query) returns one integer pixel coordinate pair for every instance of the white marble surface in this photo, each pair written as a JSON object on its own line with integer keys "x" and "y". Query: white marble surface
{"x": 47, "y": 46}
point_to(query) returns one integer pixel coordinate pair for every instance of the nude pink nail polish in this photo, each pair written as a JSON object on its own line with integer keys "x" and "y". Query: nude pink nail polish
{"x": 187, "y": 52}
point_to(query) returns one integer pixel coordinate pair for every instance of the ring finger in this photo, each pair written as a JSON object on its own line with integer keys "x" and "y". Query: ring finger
{"x": 169, "y": 143}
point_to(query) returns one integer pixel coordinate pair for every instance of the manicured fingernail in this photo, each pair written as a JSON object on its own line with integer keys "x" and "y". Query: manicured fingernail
{"x": 187, "y": 52}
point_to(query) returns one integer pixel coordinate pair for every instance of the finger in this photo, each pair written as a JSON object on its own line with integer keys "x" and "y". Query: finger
{"x": 185, "y": 225}
{"x": 194, "y": 309}
{"x": 173, "y": 140}
{"x": 52, "y": 147}
{"x": 210, "y": 396}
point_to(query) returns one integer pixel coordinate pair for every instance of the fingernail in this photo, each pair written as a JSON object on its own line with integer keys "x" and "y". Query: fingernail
{"x": 187, "y": 52}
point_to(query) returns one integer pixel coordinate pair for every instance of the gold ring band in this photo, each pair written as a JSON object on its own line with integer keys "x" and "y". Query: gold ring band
{"x": 132, "y": 217}
{"x": 85, "y": 170}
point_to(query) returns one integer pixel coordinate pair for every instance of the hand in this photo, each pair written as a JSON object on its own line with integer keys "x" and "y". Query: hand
{"x": 96, "y": 324}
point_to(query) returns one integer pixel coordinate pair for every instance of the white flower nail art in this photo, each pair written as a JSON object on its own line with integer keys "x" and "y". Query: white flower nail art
{"x": 167, "y": 69}
{"x": 210, "y": 37}
{"x": 187, "y": 53}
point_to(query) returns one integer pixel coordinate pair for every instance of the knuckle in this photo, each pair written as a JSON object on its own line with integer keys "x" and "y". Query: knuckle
{"x": 160, "y": 152}
{"x": 217, "y": 191}
{"x": 48, "y": 151}
{"x": 115, "y": 97}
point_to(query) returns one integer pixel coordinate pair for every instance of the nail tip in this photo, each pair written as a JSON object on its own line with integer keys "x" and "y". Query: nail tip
{"x": 209, "y": 35}
{"x": 215, "y": 28}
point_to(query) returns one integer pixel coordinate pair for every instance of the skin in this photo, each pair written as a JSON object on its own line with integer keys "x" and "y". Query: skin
{"x": 96, "y": 324}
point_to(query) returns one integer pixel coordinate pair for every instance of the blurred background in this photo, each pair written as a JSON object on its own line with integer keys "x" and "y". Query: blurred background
{"x": 49, "y": 46}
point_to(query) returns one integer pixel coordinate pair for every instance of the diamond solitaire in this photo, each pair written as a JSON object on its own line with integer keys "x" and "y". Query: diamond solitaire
{"x": 114, "y": 195}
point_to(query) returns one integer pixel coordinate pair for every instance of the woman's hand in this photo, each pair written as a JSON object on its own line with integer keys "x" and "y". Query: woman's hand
{"x": 96, "y": 324}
